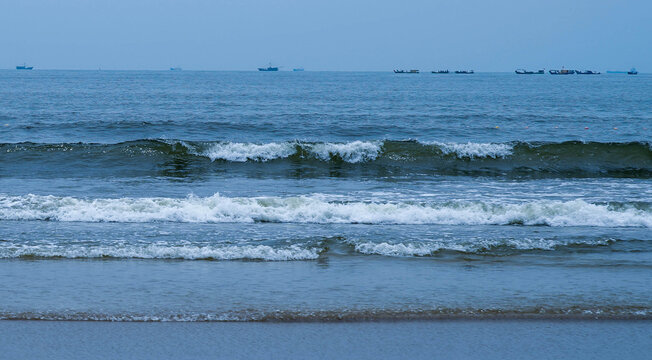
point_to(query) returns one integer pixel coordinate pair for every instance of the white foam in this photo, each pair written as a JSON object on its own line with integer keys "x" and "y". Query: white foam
{"x": 162, "y": 251}
{"x": 241, "y": 152}
{"x": 353, "y": 152}
{"x": 426, "y": 248}
{"x": 316, "y": 209}
{"x": 473, "y": 150}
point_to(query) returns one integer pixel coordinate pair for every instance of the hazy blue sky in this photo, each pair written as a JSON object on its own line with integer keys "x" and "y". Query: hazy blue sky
{"x": 483, "y": 35}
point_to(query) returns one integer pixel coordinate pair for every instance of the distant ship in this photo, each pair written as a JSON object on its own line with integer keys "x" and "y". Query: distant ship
{"x": 526, "y": 72}
{"x": 297, "y": 69}
{"x": 406, "y": 71}
{"x": 441, "y": 72}
{"x": 24, "y": 67}
{"x": 268, "y": 68}
{"x": 561, "y": 72}
{"x": 632, "y": 71}
{"x": 587, "y": 72}
{"x": 464, "y": 72}
{"x": 175, "y": 68}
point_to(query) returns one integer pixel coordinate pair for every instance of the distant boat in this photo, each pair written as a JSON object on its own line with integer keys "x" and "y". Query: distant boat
{"x": 175, "y": 68}
{"x": 24, "y": 67}
{"x": 297, "y": 69}
{"x": 526, "y": 72}
{"x": 632, "y": 71}
{"x": 441, "y": 72}
{"x": 587, "y": 72}
{"x": 406, "y": 71}
{"x": 562, "y": 72}
{"x": 268, "y": 68}
{"x": 464, "y": 72}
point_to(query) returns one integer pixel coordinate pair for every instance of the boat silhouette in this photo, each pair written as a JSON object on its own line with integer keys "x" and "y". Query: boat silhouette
{"x": 526, "y": 72}
{"x": 268, "y": 68}
{"x": 406, "y": 71}
{"x": 24, "y": 67}
{"x": 562, "y": 72}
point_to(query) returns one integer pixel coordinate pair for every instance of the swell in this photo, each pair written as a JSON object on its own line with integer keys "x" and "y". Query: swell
{"x": 316, "y": 209}
{"x": 301, "y": 250}
{"x": 563, "y": 159}
{"x": 603, "y": 312}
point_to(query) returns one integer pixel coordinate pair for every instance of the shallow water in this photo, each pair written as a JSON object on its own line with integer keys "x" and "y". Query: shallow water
{"x": 238, "y": 196}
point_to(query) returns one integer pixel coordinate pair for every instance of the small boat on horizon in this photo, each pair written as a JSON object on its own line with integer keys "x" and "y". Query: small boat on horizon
{"x": 587, "y": 72}
{"x": 632, "y": 71}
{"x": 464, "y": 72}
{"x": 24, "y": 67}
{"x": 268, "y": 68}
{"x": 441, "y": 72}
{"x": 526, "y": 72}
{"x": 176, "y": 68}
{"x": 561, "y": 72}
{"x": 406, "y": 71}
{"x": 298, "y": 69}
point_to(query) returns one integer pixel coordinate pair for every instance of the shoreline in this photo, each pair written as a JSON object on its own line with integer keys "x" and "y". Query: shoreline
{"x": 334, "y": 319}
{"x": 506, "y": 339}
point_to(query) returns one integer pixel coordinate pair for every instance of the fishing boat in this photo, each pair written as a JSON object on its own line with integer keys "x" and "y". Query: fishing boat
{"x": 268, "y": 68}
{"x": 526, "y": 72}
{"x": 24, "y": 67}
{"x": 297, "y": 69}
{"x": 562, "y": 72}
{"x": 632, "y": 71}
{"x": 441, "y": 72}
{"x": 587, "y": 72}
{"x": 464, "y": 72}
{"x": 406, "y": 71}
{"x": 176, "y": 68}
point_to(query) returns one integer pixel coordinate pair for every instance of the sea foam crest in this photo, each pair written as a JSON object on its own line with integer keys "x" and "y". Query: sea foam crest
{"x": 315, "y": 209}
{"x": 352, "y": 152}
{"x": 241, "y": 152}
{"x": 473, "y": 246}
{"x": 473, "y": 150}
{"x": 161, "y": 251}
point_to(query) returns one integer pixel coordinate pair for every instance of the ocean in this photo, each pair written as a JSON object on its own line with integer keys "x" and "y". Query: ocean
{"x": 194, "y": 196}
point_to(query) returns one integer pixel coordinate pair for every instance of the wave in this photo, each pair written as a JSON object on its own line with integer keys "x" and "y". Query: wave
{"x": 160, "y": 251}
{"x": 508, "y": 246}
{"x": 300, "y": 250}
{"x": 624, "y": 312}
{"x": 570, "y": 158}
{"x": 316, "y": 209}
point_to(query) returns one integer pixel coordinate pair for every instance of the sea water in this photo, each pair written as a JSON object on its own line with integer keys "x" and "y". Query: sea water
{"x": 247, "y": 196}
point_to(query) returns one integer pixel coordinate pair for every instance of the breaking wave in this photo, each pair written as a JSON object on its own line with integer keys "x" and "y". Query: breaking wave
{"x": 571, "y": 158}
{"x": 316, "y": 209}
{"x": 471, "y": 246}
{"x": 160, "y": 251}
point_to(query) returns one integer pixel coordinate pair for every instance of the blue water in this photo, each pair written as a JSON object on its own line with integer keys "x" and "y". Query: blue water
{"x": 243, "y": 196}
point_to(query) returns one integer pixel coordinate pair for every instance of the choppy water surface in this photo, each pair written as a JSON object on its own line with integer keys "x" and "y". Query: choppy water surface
{"x": 226, "y": 196}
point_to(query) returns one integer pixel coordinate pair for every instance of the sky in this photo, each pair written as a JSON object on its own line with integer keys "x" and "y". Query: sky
{"x": 338, "y": 35}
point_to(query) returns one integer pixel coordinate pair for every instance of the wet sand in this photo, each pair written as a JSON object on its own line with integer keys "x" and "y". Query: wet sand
{"x": 457, "y": 339}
